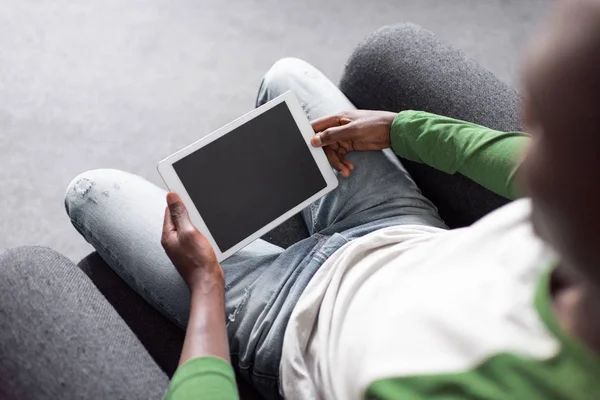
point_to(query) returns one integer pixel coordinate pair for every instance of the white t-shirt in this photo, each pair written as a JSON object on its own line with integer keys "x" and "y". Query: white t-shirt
{"x": 418, "y": 301}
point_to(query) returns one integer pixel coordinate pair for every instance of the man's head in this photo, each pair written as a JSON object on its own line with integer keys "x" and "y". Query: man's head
{"x": 562, "y": 112}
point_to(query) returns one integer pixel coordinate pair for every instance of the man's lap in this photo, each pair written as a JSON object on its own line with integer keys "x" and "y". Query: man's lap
{"x": 378, "y": 188}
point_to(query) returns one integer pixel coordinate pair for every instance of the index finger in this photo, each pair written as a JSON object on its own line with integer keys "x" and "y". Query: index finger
{"x": 329, "y": 121}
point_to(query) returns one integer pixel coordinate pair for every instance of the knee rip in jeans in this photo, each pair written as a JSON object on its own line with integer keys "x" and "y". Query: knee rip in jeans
{"x": 232, "y": 316}
{"x": 83, "y": 188}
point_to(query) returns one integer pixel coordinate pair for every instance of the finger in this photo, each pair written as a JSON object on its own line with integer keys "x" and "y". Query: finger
{"x": 345, "y": 121}
{"x": 168, "y": 227}
{"x": 179, "y": 215}
{"x": 348, "y": 164}
{"x": 334, "y": 135}
{"x": 334, "y": 147}
{"x": 329, "y": 121}
{"x": 346, "y": 146}
{"x": 323, "y": 123}
{"x": 336, "y": 162}
{"x": 321, "y": 138}
{"x": 341, "y": 152}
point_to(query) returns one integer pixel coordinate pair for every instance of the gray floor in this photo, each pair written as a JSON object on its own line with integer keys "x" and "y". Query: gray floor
{"x": 123, "y": 83}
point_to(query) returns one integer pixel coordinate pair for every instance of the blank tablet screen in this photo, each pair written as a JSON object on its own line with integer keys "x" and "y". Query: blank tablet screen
{"x": 250, "y": 176}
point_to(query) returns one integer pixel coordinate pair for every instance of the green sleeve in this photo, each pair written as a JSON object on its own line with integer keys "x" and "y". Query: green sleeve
{"x": 488, "y": 157}
{"x": 203, "y": 378}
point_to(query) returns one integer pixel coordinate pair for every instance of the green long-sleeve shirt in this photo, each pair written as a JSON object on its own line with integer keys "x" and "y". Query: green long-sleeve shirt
{"x": 488, "y": 157}
{"x": 203, "y": 378}
{"x": 483, "y": 155}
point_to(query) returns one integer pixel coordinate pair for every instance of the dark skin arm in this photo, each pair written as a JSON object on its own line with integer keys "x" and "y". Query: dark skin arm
{"x": 195, "y": 260}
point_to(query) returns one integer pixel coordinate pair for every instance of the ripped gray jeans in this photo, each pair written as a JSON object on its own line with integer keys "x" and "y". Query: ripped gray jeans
{"x": 121, "y": 216}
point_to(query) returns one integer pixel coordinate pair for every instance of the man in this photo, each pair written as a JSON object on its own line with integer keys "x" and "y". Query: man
{"x": 381, "y": 301}
{"x": 490, "y": 311}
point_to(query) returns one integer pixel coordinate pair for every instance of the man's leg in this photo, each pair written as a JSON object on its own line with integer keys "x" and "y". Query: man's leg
{"x": 378, "y": 193}
{"x": 404, "y": 67}
{"x": 61, "y": 339}
{"x": 121, "y": 215}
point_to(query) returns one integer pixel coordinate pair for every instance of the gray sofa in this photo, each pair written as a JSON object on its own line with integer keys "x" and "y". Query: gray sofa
{"x": 398, "y": 67}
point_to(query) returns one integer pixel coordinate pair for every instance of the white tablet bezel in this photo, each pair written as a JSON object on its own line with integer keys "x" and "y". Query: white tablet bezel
{"x": 171, "y": 179}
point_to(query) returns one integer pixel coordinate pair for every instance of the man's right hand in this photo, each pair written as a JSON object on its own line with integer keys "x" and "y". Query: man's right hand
{"x": 355, "y": 130}
{"x": 189, "y": 250}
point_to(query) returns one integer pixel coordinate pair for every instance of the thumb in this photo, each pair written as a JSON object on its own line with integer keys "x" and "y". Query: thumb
{"x": 334, "y": 135}
{"x": 179, "y": 214}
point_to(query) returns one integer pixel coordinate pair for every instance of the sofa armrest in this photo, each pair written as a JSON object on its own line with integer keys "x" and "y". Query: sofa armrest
{"x": 161, "y": 338}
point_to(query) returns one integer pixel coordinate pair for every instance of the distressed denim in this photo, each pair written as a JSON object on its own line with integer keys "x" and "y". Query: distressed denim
{"x": 121, "y": 215}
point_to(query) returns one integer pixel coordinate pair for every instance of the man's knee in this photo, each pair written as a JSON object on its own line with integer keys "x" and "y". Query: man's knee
{"x": 281, "y": 77}
{"x": 285, "y": 70}
{"x": 90, "y": 187}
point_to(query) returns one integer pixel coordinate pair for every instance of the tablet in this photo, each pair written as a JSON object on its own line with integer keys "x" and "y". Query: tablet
{"x": 251, "y": 175}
